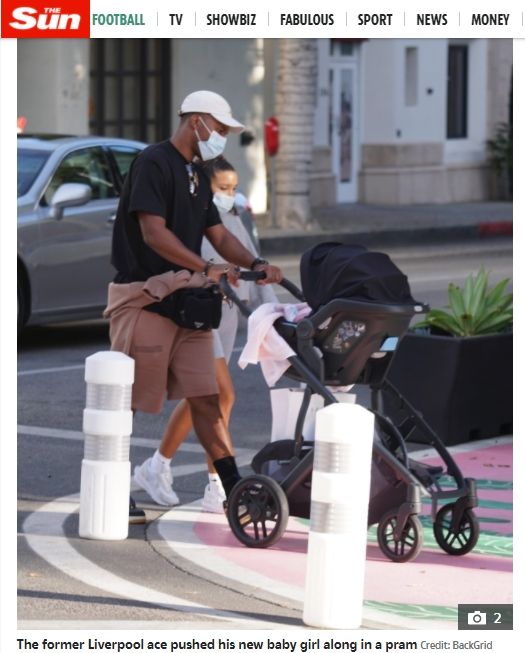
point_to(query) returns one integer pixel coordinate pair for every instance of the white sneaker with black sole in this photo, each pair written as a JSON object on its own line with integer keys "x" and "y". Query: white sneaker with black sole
{"x": 214, "y": 498}
{"x": 157, "y": 483}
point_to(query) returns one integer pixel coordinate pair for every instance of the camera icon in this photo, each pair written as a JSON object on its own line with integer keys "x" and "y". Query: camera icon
{"x": 476, "y": 618}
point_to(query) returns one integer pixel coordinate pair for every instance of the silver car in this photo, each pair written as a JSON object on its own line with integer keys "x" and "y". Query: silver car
{"x": 68, "y": 190}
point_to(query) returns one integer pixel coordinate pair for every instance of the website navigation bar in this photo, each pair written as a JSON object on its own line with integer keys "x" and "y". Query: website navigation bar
{"x": 338, "y": 23}
{"x": 328, "y": 20}
{"x": 102, "y": 19}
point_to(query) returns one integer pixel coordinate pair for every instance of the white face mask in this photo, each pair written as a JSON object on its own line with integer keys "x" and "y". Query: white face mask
{"x": 224, "y": 202}
{"x": 213, "y": 147}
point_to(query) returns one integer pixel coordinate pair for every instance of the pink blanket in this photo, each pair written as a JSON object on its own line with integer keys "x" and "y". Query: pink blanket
{"x": 264, "y": 345}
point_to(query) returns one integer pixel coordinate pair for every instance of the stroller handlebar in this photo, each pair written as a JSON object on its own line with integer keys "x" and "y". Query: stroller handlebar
{"x": 252, "y": 275}
{"x": 256, "y": 275}
{"x": 292, "y": 289}
{"x": 322, "y": 314}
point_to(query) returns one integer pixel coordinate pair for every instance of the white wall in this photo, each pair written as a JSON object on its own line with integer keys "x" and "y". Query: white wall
{"x": 53, "y": 85}
{"x": 426, "y": 120}
{"x": 379, "y": 91}
{"x": 235, "y": 69}
{"x": 385, "y": 118}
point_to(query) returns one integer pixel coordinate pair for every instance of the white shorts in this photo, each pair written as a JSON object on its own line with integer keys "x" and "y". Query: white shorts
{"x": 224, "y": 336}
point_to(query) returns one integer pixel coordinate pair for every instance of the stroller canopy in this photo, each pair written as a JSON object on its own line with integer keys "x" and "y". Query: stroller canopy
{"x": 334, "y": 270}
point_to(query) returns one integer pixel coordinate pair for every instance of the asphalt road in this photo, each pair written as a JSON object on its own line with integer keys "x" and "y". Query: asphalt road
{"x": 51, "y": 396}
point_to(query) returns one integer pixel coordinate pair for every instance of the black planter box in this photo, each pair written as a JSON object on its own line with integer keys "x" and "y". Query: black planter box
{"x": 462, "y": 386}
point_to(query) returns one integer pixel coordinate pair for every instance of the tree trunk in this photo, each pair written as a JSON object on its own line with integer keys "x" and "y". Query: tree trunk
{"x": 295, "y": 105}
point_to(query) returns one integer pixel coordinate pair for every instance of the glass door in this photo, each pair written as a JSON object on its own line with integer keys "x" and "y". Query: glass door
{"x": 343, "y": 129}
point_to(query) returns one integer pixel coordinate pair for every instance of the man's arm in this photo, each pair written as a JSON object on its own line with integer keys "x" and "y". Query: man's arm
{"x": 229, "y": 246}
{"x": 164, "y": 242}
{"x": 231, "y": 249}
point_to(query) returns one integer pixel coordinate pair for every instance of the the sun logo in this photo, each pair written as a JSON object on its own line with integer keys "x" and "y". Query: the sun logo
{"x": 52, "y": 18}
{"x": 38, "y": 19}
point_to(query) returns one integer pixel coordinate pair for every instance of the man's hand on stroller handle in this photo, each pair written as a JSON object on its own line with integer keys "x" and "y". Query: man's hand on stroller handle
{"x": 245, "y": 275}
{"x": 219, "y": 271}
{"x": 262, "y": 273}
{"x": 273, "y": 274}
{"x": 252, "y": 275}
{"x": 256, "y": 275}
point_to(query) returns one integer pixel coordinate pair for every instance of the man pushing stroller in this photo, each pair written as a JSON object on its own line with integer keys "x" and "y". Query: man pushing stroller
{"x": 165, "y": 210}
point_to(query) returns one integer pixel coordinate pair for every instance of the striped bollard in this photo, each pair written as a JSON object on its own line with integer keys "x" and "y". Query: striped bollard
{"x": 106, "y": 470}
{"x": 335, "y": 566}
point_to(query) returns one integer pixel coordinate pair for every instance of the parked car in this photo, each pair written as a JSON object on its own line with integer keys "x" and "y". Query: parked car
{"x": 68, "y": 189}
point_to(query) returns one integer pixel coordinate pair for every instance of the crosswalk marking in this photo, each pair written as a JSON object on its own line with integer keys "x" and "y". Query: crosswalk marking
{"x": 43, "y": 530}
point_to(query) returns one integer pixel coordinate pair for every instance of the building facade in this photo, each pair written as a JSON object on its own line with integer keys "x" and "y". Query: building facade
{"x": 394, "y": 121}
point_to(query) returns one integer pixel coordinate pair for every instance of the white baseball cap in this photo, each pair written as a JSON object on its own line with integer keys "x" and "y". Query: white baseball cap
{"x": 214, "y": 104}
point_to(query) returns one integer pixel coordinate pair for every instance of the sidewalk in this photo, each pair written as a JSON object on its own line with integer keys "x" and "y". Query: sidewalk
{"x": 382, "y": 226}
{"x": 422, "y": 594}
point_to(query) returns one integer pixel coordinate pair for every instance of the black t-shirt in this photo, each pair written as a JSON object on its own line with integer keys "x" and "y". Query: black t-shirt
{"x": 160, "y": 182}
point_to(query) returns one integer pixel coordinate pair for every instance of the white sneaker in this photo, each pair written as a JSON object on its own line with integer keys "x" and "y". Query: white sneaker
{"x": 156, "y": 483}
{"x": 214, "y": 498}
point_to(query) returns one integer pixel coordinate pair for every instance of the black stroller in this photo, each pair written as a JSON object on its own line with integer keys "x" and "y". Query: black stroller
{"x": 361, "y": 306}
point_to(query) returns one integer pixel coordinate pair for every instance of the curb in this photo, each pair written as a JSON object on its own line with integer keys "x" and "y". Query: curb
{"x": 296, "y": 244}
{"x": 501, "y": 228}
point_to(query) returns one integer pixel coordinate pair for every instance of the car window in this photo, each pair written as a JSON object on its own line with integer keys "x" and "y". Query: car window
{"x": 87, "y": 166}
{"x": 29, "y": 164}
{"x": 124, "y": 158}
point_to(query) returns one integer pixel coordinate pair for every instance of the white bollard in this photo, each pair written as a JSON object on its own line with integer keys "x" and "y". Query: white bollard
{"x": 107, "y": 425}
{"x": 335, "y": 565}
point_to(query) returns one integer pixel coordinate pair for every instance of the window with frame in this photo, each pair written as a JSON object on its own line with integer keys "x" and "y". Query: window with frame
{"x": 457, "y": 91}
{"x": 342, "y": 48}
{"x": 411, "y": 76}
{"x": 123, "y": 157}
{"x": 130, "y": 88}
{"x": 87, "y": 166}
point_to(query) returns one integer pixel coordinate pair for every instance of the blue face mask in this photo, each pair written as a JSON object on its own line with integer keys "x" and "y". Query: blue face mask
{"x": 213, "y": 147}
{"x": 224, "y": 202}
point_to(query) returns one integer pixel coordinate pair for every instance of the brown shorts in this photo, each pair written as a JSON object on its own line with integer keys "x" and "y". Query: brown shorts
{"x": 170, "y": 361}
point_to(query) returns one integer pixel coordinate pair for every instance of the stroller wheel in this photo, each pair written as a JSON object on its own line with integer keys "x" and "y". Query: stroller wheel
{"x": 460, "y": 540}
{"x": 407, "y": 546}
{"x": 258, "y": 511}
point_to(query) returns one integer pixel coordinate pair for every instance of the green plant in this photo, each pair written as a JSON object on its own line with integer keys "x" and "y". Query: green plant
{"x": 473, "y": 310}
{"x": 500, "y": 148}
{"x": 500, "y": 152}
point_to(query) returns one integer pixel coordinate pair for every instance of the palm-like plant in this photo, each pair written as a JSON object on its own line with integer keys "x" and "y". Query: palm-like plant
{"x": 500, "y": 153}
{"x": 473, "y": 310}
